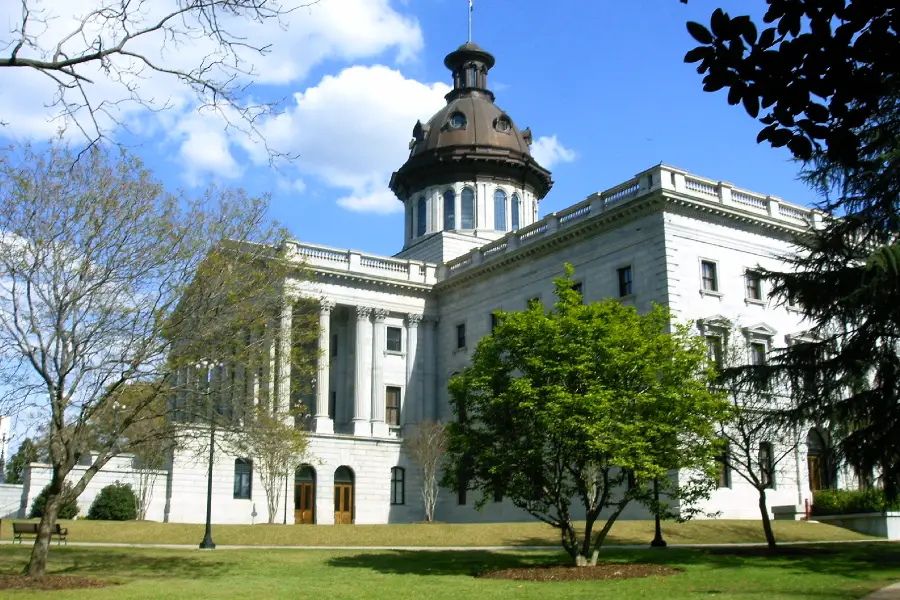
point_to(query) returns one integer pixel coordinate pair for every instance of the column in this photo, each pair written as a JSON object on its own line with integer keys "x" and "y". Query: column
{"x": 411, "y": 410}
{"x": 429, "y": 372}
{"x": 322, "y": 423}
{"x": 379, "y": 427}
{"x": 282, "y": 402}
{"x": 362, "y": 392}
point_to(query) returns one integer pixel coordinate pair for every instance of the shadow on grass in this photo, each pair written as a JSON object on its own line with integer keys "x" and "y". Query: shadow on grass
{"x": 106, "y": 563}
{"x": 849, "y": 560}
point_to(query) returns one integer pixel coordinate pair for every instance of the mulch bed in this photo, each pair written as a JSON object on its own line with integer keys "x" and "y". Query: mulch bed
{"x": 573, "y": 573}
{"x": 49, "y": 582}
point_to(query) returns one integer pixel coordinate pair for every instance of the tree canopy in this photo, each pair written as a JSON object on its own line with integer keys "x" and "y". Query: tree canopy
{"x": 584, "y": 404}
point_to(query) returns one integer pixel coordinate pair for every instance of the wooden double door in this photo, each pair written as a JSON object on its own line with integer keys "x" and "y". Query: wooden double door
{"x": 343, "y": 503}
{"x": 304, "y": 502}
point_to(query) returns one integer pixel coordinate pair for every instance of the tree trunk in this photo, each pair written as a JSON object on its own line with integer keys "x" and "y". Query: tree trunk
{"x": 767, "y": 524}
{"x": 586, "y": 558}
{"x": 601, "y": 536}
{"x": 37, "y": 564}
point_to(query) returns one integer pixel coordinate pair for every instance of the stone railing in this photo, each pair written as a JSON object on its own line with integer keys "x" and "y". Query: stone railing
{"x": 414, "y": 271}
{"x": 660, "y": 177}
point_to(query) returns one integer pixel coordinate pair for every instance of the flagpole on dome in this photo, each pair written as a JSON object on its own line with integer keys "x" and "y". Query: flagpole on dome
{"x": 471, "y": 8}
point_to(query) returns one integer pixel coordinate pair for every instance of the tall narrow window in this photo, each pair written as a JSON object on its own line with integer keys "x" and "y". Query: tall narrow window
{"x": 494, "y": 322}
{"x": 460, "y": 336}
{"x": 449, "y": 210}
{"x": 332, "y": 405}
{"x": 392, "y": 406}
{"x": 473, "y": 77}
{"x": 243, "y": 478}
{"x": 724, "y": 480}
{"x": 714, "y": 350}
{"x": 766, "y": 465}
{"x": 514, "y": 211}
{"x": 394, "y": 341}
{"x": 709, "y": 276}
{"x": 398, "y": 485}
{"x": 500, "y": 210}
{"x": 625, "y": 285}
{"x": 467, "y": 211}
{"x": 757, "y": 354}
{"x": 421, "y": 214}
{"x": 754, "y": 285}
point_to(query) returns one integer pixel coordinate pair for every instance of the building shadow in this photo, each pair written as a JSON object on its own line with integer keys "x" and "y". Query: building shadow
{"x": 442, "y": 562}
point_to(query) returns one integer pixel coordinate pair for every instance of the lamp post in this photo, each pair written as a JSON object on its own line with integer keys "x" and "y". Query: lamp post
{"x": 658, "y": 541}
{"x": 207, "y": 543}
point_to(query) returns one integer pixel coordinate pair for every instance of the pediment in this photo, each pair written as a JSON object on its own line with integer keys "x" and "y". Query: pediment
{"x": 760, "y": 330}
{"x": 714, "y": 323}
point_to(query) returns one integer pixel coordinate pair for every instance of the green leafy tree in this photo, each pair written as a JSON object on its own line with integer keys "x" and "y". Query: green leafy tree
{"x": 68, "y": 503}
{"x": 27, "y": 453}
{"x": 115, "y": 502}
{"x": 826, "y": 73}
{"x": 585, "y": 404}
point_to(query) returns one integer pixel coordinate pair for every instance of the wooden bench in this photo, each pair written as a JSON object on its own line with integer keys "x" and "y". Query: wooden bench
{"x": 20, "y": 529}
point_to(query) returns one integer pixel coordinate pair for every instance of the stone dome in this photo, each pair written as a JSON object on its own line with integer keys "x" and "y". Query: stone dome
{"x": 469, "y": 136}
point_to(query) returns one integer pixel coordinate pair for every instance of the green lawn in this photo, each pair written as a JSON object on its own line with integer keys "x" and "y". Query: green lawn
{"x": 490, "y": 534}
{"x": 842, "y": 571}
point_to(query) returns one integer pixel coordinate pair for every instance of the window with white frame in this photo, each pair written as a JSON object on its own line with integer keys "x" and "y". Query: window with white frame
{"x": 394, "y": 339}
{"x": 709, "y": 276}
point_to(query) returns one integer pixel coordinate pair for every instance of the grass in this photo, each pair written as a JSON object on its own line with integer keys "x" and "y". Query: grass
{"x": 489, "y": 534}
{"x": 840, "y": 572}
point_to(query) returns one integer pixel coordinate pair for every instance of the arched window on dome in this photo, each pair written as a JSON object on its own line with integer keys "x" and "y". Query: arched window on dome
{"x": 467, "y": 211}
{"x": 421, "y": 224}
{"x": 514, "y": 209}
{"x": 449, "y": 210}
{"x": 500, "y": 210}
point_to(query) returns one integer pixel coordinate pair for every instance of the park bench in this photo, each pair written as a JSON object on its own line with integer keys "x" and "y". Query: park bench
{"x": 20, "y": 529}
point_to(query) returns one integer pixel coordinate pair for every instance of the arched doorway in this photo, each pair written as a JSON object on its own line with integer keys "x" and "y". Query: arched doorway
{"x": 343, "y": 496}
{"x": 305, "y": 495}
{"x": 818, "y": 461}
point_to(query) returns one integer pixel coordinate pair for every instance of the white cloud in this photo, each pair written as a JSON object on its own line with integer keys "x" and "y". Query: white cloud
{"x": 345, "y": 30}
{"x": 352, "y": 130}
{"x": 548, "y": 151}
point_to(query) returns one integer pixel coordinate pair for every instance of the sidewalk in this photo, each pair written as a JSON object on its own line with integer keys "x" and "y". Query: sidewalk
{"x": 442, "y": 548}
{"x": 891, "y": 592}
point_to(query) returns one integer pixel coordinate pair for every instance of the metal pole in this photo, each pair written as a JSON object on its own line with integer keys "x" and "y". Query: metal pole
{"x": 207, "y": 543}
{"x": 658, "y": 541}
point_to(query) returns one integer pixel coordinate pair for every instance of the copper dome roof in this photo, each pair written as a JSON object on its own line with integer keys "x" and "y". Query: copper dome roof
{"x": 470, "y": 135}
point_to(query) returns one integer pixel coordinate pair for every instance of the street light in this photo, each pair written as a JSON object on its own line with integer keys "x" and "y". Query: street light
{"x": 658, "y": 541}
{"x": 207, "y": 543}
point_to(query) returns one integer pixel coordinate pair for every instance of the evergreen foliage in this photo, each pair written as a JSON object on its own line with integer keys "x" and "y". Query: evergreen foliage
{"x": 587, "y": 404}
{"x": 26, "y": 454}
{"x": 849, "y": 502}
{"x": 67, "y": 510}
{"x": 830, "y": 73}
{"x": 115, "y": 502}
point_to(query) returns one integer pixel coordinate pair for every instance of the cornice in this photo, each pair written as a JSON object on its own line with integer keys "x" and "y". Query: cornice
{"x": 372, "y": 281}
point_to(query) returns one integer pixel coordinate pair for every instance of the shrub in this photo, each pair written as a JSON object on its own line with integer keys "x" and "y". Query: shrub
{"x": 848, "y": 502}
{"x": 115, "y": 502}
{"x": 67, "y": 510}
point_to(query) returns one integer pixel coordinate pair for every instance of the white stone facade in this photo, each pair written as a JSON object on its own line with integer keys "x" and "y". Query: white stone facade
{"x": 390, "y": 328}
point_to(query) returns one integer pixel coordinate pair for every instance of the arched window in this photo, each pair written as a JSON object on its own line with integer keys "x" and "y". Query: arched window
{"x": 421, "y": 225}
{"x": 514, "y": 209}
{"x": 449, "y": 210}
{"x": 398, "y": 485}
{"x": 467, "y": 212}
{"x": 243, "y": 478}
{"x": 500, "y": 210}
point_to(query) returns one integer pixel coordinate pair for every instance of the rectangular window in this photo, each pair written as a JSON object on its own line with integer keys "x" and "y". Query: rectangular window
{"x": 462, "y": 483}
{"x": 724, "y": 480}
{"x": 579, "y": 287}
{"x": 334, "y": 345}
{"x": 533, "y": 301}
{"x": 630, "y": 480}
{"x": 766, "y": 465}
{"x": 625, "y": 285}
{"x": 714, "y": 349}
{"x": 394, "y": 339}
{"x": 709, "y": 276}
{"x": 332, "y": 405}
{"x": 757, "y": 354}
{"x": 498, "y": 495}
{"x": 460, "y": 336}
{"x": 243, "y": 478}
{"x": 398, "y": 485}
{"x": 392, "y": 406}
{"x": 753, "y": 282}
{"x": 493, "y": 322}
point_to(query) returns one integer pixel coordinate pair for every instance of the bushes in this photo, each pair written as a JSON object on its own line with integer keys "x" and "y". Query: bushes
{"x": 115, "y": 502}
{"x": 68, "y": 510}
{"x": 848, "y": 502}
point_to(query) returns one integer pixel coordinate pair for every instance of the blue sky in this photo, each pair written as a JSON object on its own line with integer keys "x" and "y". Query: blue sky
{"x": 601, "y": 84}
